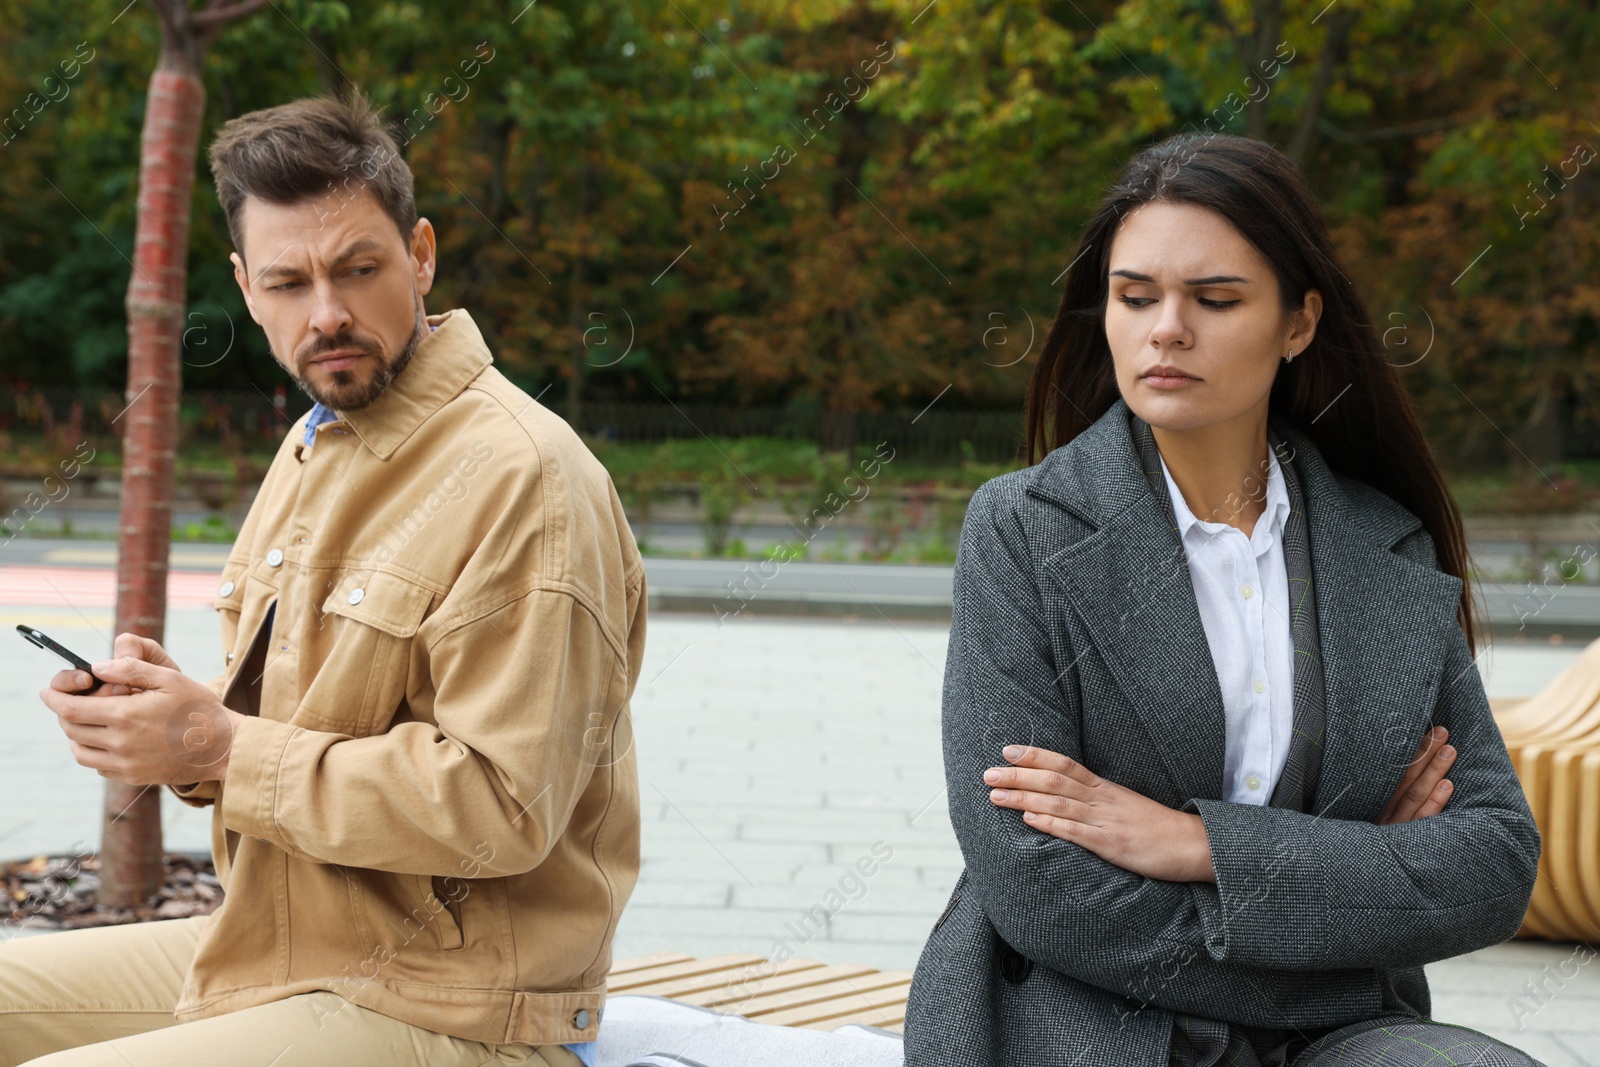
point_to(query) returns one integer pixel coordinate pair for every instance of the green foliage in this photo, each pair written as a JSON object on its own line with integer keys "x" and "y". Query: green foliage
{"x": 213, "y": 530}
{"x": 611, "y": 206}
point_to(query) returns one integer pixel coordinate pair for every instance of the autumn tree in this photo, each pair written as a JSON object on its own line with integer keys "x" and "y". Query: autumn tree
{"x": 131, "y": 850}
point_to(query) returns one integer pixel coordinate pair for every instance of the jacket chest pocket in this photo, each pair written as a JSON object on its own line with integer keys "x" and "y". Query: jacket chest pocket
{"x": 358, "y": 678}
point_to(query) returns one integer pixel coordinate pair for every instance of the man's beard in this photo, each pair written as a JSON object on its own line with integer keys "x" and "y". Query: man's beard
{"x": 346, "y": 391}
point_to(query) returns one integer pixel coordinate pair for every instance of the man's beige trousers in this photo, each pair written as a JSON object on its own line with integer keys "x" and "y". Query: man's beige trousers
{"x": 104, "y": 997}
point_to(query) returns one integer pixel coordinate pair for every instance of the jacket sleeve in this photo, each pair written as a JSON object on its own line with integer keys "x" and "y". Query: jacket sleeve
{"x": 528, "y": 699}
{"x": 1295, "y": 890}
{"x": 203, "y": 794}
{"x": 1052, "y": 900}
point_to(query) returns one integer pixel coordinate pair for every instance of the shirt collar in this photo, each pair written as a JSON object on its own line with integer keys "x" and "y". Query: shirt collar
{"x": 317, "y": 417}
{"x": 446, "y": 360}
{"x": 1272, "y": 516}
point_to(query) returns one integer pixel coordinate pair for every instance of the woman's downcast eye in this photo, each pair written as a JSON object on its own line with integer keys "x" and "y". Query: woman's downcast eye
{"x": 1215, "y": 305}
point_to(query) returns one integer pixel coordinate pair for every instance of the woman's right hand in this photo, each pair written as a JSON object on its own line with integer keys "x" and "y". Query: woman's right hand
{"x": 1424, "y": 790}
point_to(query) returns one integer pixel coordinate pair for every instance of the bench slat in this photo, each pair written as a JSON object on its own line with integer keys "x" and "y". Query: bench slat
{"x": 655, "y": 959}
{"x": 782, "y": 982}
{"x": 842, "y": 1009}
{"x": 891, "y": 1017}
{"x": 843, "y": 990}
{"x": 686, "y": 969}
{"x": 799, "y": 992}
{"x": 722, "y": 983}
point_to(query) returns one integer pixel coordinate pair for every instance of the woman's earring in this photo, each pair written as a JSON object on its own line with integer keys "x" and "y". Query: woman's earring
{"x": 1290, "y": 357}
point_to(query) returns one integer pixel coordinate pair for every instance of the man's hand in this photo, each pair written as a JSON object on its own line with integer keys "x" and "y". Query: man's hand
{"x": 1063, "y": 798}
{"x": 1424, "y": 790}
{"x": 149, "y": 724}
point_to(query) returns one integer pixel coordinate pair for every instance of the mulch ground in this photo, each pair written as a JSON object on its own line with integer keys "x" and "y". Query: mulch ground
{"x": 62, "y": 893}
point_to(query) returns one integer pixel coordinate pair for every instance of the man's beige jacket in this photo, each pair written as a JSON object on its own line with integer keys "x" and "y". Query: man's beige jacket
{"x": 433, "y": 620}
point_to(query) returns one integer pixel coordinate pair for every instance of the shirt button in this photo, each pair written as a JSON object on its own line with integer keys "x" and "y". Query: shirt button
{"x": 1246, "y": 592}
{"x": 274, "y": 557}
{"x": 581, "y": 1020}
{"x": 1253, "y": 783}
{"x": 356, "y": 595}
{"x": 1260, "y": 686}
{"x": 226, "y": 590}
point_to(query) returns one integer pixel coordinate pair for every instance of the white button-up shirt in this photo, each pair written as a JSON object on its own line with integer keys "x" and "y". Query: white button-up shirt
{"x": 1242, "y": 587}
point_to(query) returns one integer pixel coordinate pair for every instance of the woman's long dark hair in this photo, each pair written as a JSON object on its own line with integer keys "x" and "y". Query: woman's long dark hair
{"x": 1370, "y": 434}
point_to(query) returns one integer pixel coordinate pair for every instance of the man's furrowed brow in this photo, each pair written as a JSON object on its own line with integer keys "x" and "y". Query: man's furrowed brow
{"x": 358, "y": 247}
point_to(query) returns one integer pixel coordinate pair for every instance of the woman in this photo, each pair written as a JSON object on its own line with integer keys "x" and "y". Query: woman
{"x": 1204, "y": 657}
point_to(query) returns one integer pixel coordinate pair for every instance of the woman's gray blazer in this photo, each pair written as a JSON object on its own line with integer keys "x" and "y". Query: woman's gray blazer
{"x": 1076, "y": 629}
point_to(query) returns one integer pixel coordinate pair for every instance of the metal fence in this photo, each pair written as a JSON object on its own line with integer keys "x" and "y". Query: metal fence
{"x": 248, "y": 420}
{"x": 256, "y": 421}
{"x": 253, "y": 421}
{"x": 951, "y": 434}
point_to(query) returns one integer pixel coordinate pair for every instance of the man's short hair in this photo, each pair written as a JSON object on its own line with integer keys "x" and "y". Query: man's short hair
{"x": 310, "y": 148}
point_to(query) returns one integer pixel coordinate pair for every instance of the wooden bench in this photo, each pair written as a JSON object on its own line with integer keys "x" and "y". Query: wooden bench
{"x": 798, "y": 992}
{"x": 1553, "y": 739}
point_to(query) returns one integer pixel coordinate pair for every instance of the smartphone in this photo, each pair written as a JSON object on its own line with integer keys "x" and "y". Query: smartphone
{"x": 39, "y": 638}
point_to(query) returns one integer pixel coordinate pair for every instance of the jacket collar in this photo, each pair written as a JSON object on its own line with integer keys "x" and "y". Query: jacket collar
{"x": 1097, "y": 476}
{"x": 1385, "y": 621}
{"x": 446, "y": 361}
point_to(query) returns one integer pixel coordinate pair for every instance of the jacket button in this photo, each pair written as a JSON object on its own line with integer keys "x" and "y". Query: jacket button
{"x": 274, "y": 557}
{"x": 356, "y": 595}
{"x": 1014, "y": 966}
{"x": 581, "y": 1020}
{"x": 226, "y": 590}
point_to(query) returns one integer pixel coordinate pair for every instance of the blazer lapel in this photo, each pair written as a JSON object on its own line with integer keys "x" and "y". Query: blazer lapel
{"x": 1386, "y": 624}
{"x": 1128, "y": 582}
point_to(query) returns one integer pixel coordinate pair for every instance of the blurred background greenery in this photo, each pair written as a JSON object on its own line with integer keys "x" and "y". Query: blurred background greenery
{"x": 799, "y": 227}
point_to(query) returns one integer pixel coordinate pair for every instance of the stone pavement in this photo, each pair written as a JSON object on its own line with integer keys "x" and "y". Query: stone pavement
{"x": 774, "y": 754}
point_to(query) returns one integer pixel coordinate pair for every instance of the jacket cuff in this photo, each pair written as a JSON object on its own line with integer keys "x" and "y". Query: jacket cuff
{"x": 249, "y": 801}
{"x": 197, "y": 794}
{"x": 1269, "y": 904}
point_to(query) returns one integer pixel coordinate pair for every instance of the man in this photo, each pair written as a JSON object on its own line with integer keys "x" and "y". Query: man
{"x": 426, "y": 806}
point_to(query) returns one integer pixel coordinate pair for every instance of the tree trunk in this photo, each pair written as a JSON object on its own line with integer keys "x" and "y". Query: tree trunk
{"x": 1335, "y": 44}
{"x": 577, "y": 360}
{"x": 130, "y": 842}
{"x": 1269, "y": 30}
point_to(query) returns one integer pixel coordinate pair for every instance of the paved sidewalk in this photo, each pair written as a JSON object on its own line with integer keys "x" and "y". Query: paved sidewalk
{"x": 773, "y": 755}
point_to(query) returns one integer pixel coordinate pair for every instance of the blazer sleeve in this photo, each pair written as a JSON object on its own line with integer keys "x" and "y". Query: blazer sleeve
{"x": 1296, "y": 890}
{"x": 1052, "y": 900}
